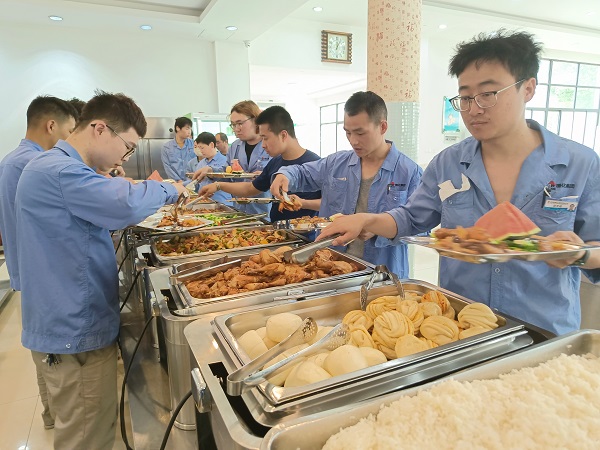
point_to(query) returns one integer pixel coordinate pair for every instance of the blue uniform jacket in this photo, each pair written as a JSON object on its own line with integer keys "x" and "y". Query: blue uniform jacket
{"x": 531, "y": 291}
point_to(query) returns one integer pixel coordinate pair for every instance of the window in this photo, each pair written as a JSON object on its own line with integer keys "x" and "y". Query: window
{"x": 333, "y": 136}
{"x": 567, "y": 100}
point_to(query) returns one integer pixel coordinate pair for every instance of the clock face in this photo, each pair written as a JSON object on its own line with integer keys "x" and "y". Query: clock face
{"x": 337, "y": 47}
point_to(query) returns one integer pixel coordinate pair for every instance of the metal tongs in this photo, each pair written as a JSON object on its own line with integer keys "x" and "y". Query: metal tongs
{"x": 246, "y": 377}
{"x": 302, "y": 254}
{"x": 180, "y": 202}
{"x": 379, "y": 269}
{"x": 243, "y": 219}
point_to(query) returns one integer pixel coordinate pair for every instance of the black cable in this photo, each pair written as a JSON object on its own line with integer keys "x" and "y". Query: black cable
{"x": 119, "y": 243}
{"x": 124, "y": 259}
{"x": 122, "y": 404}
{"x": 130, "y": 290}
{"x": 172, "y": 421}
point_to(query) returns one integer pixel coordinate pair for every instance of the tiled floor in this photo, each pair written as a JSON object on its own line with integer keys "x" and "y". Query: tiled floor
{"x": 21, "y": 425}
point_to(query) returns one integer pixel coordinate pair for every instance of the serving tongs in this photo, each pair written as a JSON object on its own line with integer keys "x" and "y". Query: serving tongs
{"x": 303, "y": 254}
{"x": 243, "y": 219}
{"x": 247, "y": 376}
{"x": 379, "y": 270}
{"x": 195, "y": 268}
{"x": 204, "y": 269}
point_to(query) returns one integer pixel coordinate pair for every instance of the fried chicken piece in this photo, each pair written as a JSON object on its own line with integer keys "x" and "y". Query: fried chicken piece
{"x": 269, "y": 270}
{"x": 268, "y": 257}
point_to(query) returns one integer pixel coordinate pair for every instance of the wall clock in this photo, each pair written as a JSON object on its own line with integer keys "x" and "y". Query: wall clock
{"x": 336, "y": 47}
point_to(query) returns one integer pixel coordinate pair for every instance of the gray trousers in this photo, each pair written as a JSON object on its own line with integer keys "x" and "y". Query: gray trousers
{"x": 82, "y": 391}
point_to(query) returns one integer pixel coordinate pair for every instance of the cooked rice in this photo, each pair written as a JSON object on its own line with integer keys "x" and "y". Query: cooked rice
{"x": 555, "y": 405}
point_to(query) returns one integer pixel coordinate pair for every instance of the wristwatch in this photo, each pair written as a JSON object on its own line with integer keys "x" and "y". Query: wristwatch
{"x": 581, "y": 261}
{"x": 218, "y": 186}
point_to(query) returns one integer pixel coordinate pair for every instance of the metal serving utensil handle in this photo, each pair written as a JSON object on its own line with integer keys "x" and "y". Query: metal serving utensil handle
{"x": 303, "y": 254}
{"x": 243, "y": 219}
{"x": 305, "y": 332}
{"x": 337, "y": 337}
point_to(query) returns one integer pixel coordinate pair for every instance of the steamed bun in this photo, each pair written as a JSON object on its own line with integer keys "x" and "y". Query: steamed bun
{"x": 344, "y": 359}
{"x": 373, "y": 356}
{"x": 282, "y": 325}
{"x": 252, "y": 344}
{"x": 305, "y": 373}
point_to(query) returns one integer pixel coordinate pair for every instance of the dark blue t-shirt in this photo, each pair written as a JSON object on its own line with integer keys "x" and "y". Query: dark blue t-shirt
{"x": 263, "y": 183}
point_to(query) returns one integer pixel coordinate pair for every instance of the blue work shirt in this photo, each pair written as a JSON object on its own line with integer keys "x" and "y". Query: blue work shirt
{"x": 258, "y": 160}
{"x": 218, "y": 164}
{"x": 263, "y": 183}
{"x": 530, "y": 291}
{"x": 338, "y": 176}
{"x": 175, "y": 159}
{"x": 67, "y": 260}
{"x": 11, "y": 168}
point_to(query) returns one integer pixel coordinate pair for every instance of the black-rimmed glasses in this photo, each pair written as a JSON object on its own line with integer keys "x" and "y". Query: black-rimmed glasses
{"x": 483, "y": 100}
{"x": 130, "y": 148}
{"x": 234, "y": 125}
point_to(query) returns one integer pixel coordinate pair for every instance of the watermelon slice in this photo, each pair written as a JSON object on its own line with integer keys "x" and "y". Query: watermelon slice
{"x": 506, "y": 221}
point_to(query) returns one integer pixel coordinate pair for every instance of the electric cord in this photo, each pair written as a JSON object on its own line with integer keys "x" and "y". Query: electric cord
{"x": 137, "y": 275}
{"x": 124, "y": 259}
{"x": 119, "y": 243}
{"x": 125, "y": 376}
{"x": 173, "y": 417}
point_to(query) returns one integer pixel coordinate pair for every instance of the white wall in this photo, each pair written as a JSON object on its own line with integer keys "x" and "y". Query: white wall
{"x": 166, "y": 76}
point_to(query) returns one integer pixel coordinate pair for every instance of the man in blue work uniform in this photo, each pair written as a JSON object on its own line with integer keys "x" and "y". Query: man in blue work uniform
{"x": 48, "y": 120}
{"x": 276, "y": 129}
{"x": 67, "y": 264}
{"x": 209, "y": 160}
{"x": 177, "y": 152}
{"x": 374, "y": 177}
{"x": 511, "y": 159}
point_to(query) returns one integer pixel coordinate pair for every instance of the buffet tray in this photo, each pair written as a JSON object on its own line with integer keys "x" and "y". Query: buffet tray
{"x": 151, "y": 223}
{"x": 291, "y": 238}
{"x": 261, "y": 200}
{"x": 301, "y": 227}
{"x": 210, "y": 208}
{"x": 371, "y": 381}
{"x": 429, "y": 242}
{"x": 364, "y": 269}
{"x": 311, "y": 432}
{"x": 222, "y": 175}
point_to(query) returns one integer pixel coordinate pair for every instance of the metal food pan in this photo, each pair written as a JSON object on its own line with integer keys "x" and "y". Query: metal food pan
{"x": 330, "y": 311}
{"x": 364, "y": 269}
{"x": 311, "y": 432}
{"x": 291, "y": 238}
{"x": 211, "y": 208}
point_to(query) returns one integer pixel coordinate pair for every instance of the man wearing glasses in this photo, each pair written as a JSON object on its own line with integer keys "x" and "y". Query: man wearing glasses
{"x": 68, "y": 270}
{"x": 511, "y": 159}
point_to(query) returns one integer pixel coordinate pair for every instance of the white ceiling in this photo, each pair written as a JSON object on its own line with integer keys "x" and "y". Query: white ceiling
{"x": 559, "y": 24}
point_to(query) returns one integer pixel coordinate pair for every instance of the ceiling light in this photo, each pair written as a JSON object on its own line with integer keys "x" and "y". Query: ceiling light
{"x": 55, "y": 18}
{"x": 443, "y": 26}
{"x": 317, "y": 9}
{"x": 146, "y": 27}
{"x": 231, "y": 28}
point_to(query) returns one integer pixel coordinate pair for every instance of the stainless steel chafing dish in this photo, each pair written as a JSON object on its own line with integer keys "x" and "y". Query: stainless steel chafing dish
{"x": 291, "y": 238}
{"x": 312, "y": 432}
{"x": 176, "y": 313}
{"x": 242, "y": 422}
{"x": 197, "y": 208}
{"x": 295, "y": 289}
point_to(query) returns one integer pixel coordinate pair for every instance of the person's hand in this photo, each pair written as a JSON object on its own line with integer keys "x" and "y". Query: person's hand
{"x": 280, "y": 183}
{"x": 297, "y": 201}
{"x": 200, "y": 174}
{"x": 208, "y": 190}
{"x": 349, "y": 227}
{"x": 118, "y": 171}
{"x": 180, "y": 188}
{"x": 567, "y": 236}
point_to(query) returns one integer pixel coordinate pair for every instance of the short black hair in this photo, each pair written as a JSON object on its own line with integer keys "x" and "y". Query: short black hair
{"x": 223, "y": 137}
{"x": 206, "y": 138}
{"x": 518, "y": 52}
{"x": 181, "y": 122}
{"x": 46, "y": 107}
{"x": 117, "y": 110}
{"x": 278, "y": 120}
{"x": 368, "y": 102}
{"x": 77, "y": 103}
